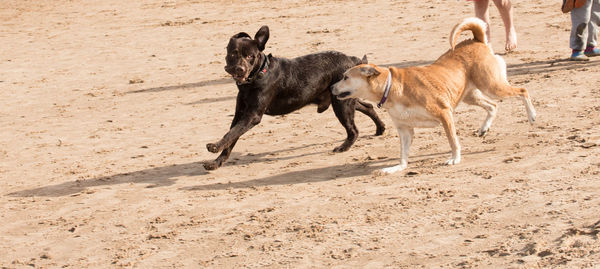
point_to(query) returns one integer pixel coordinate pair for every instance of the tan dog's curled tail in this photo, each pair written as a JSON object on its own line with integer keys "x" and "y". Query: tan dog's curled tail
{"x": 475, "y": 25}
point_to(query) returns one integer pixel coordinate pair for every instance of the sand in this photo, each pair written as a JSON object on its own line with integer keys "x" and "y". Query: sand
{"x": 106, "y": 108}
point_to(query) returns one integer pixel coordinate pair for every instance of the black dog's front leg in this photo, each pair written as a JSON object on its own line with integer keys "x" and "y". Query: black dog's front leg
{"x": 240, "y": 125}
{"x": 237, "y": 130}
{"x": 212, "y": 165}
{"x": 221, "y": 159}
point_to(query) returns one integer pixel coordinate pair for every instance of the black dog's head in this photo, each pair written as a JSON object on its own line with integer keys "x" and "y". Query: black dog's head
{"x": 243, "y": 54}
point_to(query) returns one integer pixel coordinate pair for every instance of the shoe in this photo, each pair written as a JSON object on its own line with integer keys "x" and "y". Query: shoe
{"x": 591, "y": 51}
{"x": 578, "y": 55}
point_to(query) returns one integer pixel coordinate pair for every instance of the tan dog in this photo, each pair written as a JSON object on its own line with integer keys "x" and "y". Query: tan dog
{"x": 426, "y": 96}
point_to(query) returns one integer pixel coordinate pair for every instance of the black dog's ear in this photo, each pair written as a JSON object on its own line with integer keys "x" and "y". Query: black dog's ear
{"x": 364, "y": 60}
{"x": 261, "y": 37}
{"x": 240, "y": 35}
{"x": 368, "y": 71}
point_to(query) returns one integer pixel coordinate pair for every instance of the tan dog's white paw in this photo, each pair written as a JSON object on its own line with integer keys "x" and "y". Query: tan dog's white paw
{"x": 391, "y": 170}
{"x": 483, "y": 131}
{"x": 531, "y": 117}
{"x": 452, "y": 161}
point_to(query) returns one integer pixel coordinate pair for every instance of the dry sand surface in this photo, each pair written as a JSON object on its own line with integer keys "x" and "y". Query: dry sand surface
{"x": 106, "y": 108}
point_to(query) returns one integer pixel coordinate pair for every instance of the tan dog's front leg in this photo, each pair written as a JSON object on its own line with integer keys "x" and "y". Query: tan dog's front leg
{"x": 406, "y": 135}
{"x": 448, "y": 123}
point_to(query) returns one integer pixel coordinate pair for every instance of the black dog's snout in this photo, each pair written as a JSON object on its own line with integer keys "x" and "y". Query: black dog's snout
{"x": 234, "y": 69}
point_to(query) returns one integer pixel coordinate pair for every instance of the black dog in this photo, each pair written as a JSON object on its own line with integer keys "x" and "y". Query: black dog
{"x": 277, "y": 86}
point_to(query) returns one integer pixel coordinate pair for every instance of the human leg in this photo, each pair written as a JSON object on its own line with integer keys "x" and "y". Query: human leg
{"x": 505, "y": 9}
{"x": 580, "y": 18}
{"x": 481, "y": 11}
{"x": 592, "y": 38}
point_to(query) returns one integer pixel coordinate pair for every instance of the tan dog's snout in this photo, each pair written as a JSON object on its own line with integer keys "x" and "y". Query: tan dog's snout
{"x": 354, "y": 80}
{"x": 341, "y": 90}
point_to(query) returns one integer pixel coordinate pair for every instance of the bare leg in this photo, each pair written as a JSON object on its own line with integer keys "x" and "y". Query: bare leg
{"x": 505, "y": 9}
{"x": 481, "y": 11}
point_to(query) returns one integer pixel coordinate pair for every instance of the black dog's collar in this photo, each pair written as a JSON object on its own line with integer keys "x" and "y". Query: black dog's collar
{"x": 386, "y": 92}
{"x": 254, "y": 75}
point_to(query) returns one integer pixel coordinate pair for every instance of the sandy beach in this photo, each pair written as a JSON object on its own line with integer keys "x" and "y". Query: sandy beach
{"x": 106, "y": 108}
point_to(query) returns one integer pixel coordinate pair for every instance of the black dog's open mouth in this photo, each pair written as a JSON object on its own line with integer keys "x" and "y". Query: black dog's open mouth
{"x": 343, "y": 94}
{"x": 240, "y": 79}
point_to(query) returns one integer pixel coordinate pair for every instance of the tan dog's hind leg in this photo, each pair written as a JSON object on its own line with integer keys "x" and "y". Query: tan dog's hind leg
{"x": 406, "y": 135}
{"x": 476, "y": 98}
{"x": 503, "y": 90}
{"x": 529, "y": 106}
{"x": 448, "y": 122}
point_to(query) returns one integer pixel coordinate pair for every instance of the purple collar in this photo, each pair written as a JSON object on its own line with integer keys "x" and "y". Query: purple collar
{"x": 386, "y": 92}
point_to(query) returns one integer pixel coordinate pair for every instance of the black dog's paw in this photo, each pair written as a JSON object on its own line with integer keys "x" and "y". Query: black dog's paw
{"x": 341, "y": 148}
{"x": 379, "y": 130}
{"x": 212, "y": 147}
{"x": 210, "y": 165}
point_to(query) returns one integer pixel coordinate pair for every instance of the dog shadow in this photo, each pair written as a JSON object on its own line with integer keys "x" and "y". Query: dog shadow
{"x": 168, "y": 175}
{"x": 193, "y": 85}
{"x": 238, "y": 159}
{"x": 298, "y": 177}
{"x": 329, "y": 173}
{"x": 535, "y": 67}
{"x": 211, "y": 100}
{"x": 547, "y": 66}
{"x": 157, "y": 176}
{"x": 185, "y": 85}
{"x": 408, "y": 64}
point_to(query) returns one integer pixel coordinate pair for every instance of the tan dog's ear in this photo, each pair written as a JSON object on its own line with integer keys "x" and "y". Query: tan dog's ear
{"x": 368, "y": 71}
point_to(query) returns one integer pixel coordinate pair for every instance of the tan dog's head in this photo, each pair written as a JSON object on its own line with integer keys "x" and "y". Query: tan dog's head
{"x": 358, "y": 82}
